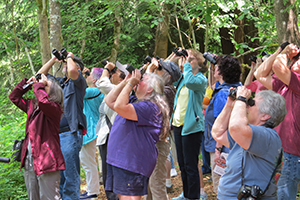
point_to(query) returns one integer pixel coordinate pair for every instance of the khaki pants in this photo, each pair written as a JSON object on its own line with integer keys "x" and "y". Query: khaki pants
{"x": 39, "y": 187}
{"x": 157, "y": 183}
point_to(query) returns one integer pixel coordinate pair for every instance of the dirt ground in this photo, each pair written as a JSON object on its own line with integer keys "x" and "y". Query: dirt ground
{"x": 177, "y": 185}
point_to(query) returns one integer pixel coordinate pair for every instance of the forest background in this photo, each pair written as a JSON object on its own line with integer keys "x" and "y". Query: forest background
{"x": 126, "y": 31}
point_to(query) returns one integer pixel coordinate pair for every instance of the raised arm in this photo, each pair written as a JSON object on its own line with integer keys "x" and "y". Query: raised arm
{"x": 118, "y": 98}
{"x": 103, "y": 83}
{"x": 250, "y": 75}
{"x": 72, "y": 68}
{"x": 238, "y": 127}
{"x": 280, "y": 67}
{"x": 46, "y": 67}
{"x": 262, "y": 74}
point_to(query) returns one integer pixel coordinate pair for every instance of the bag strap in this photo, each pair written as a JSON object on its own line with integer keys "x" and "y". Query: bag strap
{"x": 273, "y": 174}
{"x": 94, "y": 96}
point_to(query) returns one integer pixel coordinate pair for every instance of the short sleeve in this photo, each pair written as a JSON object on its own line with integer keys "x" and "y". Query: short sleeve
{"x": 262, "y": 139}
{"x": 148, "y": 114}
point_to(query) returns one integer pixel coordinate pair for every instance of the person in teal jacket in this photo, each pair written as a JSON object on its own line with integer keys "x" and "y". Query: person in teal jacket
{"x": 188, "y": 123}
{"x": 92, "y": 100}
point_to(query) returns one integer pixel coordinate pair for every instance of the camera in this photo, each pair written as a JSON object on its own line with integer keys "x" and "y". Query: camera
{"x": 104, "y": 62}
{"x": 130, "y": 68}
{"x": 38, "y": 77}
{"x": 249, "y": 192}
{"x": 232, "y": 95}
{"x": 62, "y": 55}
{"x": 183, "y": 52}
{"x": 210, "y": 57}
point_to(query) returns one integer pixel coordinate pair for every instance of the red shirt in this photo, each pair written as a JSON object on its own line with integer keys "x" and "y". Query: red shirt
{"x": 42, "y": 128}
{"x": 256, "y": 86}
{"x": 289, "y": 128}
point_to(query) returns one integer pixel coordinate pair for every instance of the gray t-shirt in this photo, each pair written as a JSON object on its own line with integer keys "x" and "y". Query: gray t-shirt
{"x": 259, "y": 160}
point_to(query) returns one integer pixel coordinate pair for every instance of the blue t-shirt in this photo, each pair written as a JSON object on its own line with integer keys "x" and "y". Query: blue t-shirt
{"x": 131, "y": 144}
{"x": 259, "y": 161}
{"x": 92, "y": 100}
{"x": 214, "y": 108}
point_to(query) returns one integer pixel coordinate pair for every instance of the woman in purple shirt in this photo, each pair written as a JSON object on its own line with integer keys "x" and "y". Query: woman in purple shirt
{"x": 131, "y": 152}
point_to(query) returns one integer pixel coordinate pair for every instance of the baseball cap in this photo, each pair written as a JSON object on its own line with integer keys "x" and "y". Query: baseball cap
{"x": 172, "y": 69}
{"x": 79, "y": 62}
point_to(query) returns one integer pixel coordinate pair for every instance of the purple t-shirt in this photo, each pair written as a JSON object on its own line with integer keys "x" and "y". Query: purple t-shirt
{"x": 289, "y": 128}
{"x": 131, "y": 144}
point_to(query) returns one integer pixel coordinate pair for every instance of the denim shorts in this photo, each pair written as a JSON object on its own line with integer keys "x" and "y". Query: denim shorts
{"x": 123, "y": 182}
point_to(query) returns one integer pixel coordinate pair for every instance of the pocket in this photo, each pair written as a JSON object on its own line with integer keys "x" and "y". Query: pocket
{"x": 136, "y": 184}
{"x": 46, "y": 158}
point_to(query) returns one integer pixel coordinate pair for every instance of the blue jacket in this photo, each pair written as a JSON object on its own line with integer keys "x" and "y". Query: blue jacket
{"x": 214, "y": 108}
{"x": 91, "y": 110}
{"x": 193, "y": 120}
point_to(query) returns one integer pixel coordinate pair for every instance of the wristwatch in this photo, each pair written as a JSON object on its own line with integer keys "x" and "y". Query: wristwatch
{"x": 107, "y": 69}
{"x": 243, "y": 99}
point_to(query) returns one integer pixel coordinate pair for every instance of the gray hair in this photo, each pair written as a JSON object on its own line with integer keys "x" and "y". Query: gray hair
{"x": 273, "y": 104}
{"x": 157, "y": 96}
{"x": 166, "y": 77}
{"x": 56, "y": 93}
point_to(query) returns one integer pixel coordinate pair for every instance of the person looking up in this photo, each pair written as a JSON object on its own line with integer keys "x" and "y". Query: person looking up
{"x": 188, "y": 123}
{"x": 72, "y": 124}
{"x": 92, "y": 100}
{"x": 41, "y": 156}
{"x": 286, "y": 81}
{"x": 248, "y": 130}
{"x": 141, "y": 120}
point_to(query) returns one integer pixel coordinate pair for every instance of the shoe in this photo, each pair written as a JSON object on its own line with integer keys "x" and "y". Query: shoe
{"x": 101, "y": 180}
{"x": 170, "y": 189}
{"x": 86, "y": 196}
{"x": 180, "y": 197}
{"x": 203, "y": 197}
{"x": 83, "y": 194}
{"x": 173, "y": 172}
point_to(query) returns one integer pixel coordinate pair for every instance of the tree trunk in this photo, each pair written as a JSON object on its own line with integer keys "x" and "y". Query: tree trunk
{"x": 117, "y": 32}
{"x": 227, "y": 46}
{"x": 56, "y": 38}
{"x": 286, "y": 21}
{"x": 43, "y": 30}
{"x": 162, "y": 31}
{"x": 10, "y": 66}
{"x": 239, "y": 34}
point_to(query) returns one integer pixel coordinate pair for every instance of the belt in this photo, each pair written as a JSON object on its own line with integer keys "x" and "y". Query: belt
{"x": 64, "y": 129}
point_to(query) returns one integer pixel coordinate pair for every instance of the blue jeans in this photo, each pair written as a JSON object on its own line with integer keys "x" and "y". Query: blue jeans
{"x": 70, "y": 144}
{"x": 290, "y": 177}
{"x": 188, "y": 149}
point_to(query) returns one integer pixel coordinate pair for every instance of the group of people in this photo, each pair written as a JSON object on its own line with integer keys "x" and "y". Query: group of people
{"x": 129, "y": 116}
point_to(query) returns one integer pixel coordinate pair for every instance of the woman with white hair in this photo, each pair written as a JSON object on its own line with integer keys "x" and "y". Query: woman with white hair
{"x": 141, "y": 119}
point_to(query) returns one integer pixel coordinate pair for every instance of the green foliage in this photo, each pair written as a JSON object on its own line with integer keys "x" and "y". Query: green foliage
{"x": 12, "y": 184}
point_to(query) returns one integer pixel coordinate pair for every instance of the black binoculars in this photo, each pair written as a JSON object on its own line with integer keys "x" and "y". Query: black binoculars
{"x": 60, "y": 55}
